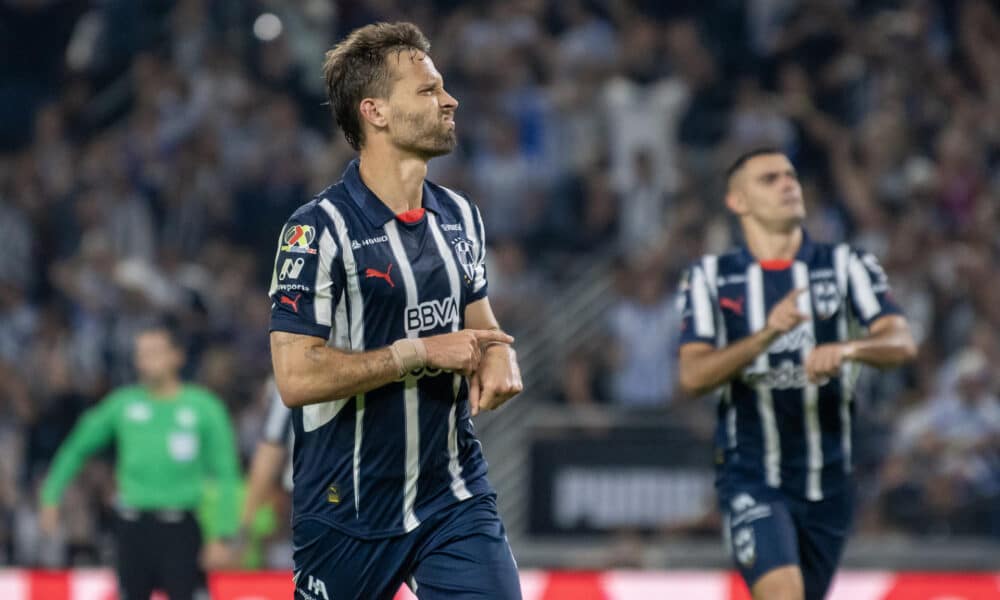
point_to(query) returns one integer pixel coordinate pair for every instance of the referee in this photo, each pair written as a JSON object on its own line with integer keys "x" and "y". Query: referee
{"x": 170, "y": 437}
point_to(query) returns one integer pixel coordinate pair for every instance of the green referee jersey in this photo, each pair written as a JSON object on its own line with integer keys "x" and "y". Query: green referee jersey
{"x": 166, "y": 449}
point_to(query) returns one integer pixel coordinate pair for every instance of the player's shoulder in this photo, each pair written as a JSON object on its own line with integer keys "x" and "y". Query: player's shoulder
{"x": 316, "y": 210}
{"x": 455, "y": 202}
{"x": 732, "y": 259}
{"x": 835, "y": 253}
{"x": 125, "y": 393}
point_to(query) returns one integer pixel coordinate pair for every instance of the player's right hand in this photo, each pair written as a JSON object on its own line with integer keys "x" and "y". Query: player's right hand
{"x": 48, "y": 520}
{"x": 785, "y": 315}
{"x": 462, "y": 350}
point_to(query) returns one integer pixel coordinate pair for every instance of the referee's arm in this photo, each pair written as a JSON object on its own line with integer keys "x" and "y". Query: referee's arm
{"x": 94, "y": 431}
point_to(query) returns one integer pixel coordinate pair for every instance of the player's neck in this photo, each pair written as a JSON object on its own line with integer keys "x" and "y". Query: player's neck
{"x": 164, "y": 390}
{"x": 396, "y": 179}
{"x": 773, "y": 245}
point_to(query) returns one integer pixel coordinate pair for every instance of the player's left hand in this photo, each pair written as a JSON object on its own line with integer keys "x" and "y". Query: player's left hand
{"x": 825, "y": 360}
{"x": 497, "y": 380}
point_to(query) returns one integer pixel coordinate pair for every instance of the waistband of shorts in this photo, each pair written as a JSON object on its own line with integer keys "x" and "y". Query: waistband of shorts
{"x": 165, "y": 515}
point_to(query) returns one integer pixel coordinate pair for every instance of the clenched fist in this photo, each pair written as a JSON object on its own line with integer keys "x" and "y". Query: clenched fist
{"x": 461, "y": 351}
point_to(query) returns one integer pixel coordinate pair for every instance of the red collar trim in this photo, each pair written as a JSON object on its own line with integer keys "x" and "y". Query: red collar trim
{"x": 775, "y": 264}
{"x": 411, "y": 216}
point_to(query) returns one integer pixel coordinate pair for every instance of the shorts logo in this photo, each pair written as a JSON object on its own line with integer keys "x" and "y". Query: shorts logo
{"x": 464, "y": 252}
{"x": 744, "y": 546}
{"x": 826, "y": 300}
{"x": 298, "y": 239}
{"x": 315, "y": 589}
{"x": 745, "y": 510}
{"x": 291, "y": 269}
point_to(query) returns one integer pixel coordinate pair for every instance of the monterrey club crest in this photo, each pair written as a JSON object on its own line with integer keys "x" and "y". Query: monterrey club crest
{"x": 466, "y": 255}
{"x": 826, "y": 299}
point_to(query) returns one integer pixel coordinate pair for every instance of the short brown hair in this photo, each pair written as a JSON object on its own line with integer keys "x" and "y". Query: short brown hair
{"x": 356, "y": 69}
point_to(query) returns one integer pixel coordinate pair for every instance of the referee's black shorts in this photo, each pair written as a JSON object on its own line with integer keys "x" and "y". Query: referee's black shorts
{"x": 159, "y": 550}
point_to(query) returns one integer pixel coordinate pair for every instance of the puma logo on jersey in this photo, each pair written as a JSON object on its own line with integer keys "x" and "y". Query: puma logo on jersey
{"x": 369, "y": 273}
{"x": 733, "y": 304}
{"x": 431, "y": 315}
{"x": 293, "y": 302}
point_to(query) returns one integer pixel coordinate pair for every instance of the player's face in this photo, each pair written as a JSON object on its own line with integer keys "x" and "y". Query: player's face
{"x": 156, "y": 357}
{"x": 767, "y": 190}
{"x": 421, "y": 115}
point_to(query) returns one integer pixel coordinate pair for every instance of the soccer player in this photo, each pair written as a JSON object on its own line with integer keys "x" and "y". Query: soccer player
{"x": 384, "y": 344}
{"x": 170, "y": 437}
{"x": 774, "y": 327}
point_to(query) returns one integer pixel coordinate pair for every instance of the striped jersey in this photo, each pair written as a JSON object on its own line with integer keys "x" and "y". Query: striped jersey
{"x": 348, "y": 271}
{"x": 774, "y": 426}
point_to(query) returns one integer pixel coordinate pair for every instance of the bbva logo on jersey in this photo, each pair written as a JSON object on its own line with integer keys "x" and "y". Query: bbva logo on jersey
{"x": 431, "y": 315}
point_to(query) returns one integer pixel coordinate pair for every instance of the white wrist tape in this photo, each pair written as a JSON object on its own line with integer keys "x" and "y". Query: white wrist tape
{"x": 408, "y": 354}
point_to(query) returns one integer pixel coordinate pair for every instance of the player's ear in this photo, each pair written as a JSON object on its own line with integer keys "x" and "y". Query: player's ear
{"x": 373, "y": 112}
{"x": 736, "y": 202}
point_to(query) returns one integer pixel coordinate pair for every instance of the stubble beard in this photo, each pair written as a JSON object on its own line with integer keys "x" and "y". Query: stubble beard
{"x": 427, "y": 137}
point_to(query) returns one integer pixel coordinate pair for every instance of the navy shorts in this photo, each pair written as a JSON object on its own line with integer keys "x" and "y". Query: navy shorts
{"x": 765, "y": 528}
{"x": 459, "y": 553}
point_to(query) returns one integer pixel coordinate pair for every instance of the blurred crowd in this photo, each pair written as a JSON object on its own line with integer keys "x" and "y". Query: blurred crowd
{"x": 150, "y": 152}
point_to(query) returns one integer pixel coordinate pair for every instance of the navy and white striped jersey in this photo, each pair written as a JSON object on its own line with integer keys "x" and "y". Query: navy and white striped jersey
{"x": 350, "y": 272}
{"x": 278, "y": 429}
{"x": 775, "y": 426}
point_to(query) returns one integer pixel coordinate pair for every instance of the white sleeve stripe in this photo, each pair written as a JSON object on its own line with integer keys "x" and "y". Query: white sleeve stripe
{"x": 861, "y": 289}
{"x": 481, "y": 257}
{"x": 840, "y": 260}
{"x": 353, "y": 284}
{"x": 701, "y": 304}
{"x": 323, "y": 302}
{"x": 710, "y": 263}
{"x": 757, "y": 311}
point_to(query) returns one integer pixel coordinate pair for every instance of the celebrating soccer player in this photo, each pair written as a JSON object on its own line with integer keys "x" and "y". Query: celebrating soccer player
{"x": 384, "y": 344}
{"x": 772, "y": 326}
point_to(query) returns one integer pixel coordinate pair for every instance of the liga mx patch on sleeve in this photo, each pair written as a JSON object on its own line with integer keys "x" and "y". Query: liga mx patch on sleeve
{"x": 298, "y": 239}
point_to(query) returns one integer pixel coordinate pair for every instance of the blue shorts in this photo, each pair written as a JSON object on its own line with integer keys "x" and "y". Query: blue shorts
{"x": 460, "y": 553}
{"x": 765, "y": 528}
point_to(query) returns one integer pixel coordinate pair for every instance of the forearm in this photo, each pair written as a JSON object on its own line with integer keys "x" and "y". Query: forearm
{"x": 314, "y": 373}
{"x": 885, "y": 349}
{"x": 89, "y": 435}
{"x": 704, "y": 371}
{"x": 61, "y": 473}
